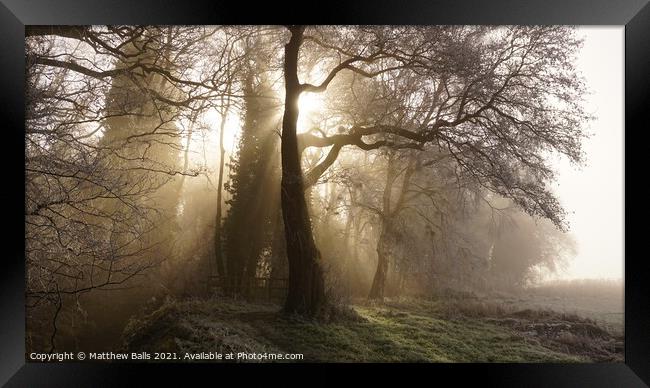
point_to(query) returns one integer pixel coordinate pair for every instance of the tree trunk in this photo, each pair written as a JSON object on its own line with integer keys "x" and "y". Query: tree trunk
{"x": 346, "y": 254}
{"x": 279, "y": 268}
{"x": 379, "y": 281}
{"x": 306, "y": 292}
{"x": 218, "y": 250}
{"x": 390, "y": 211}
{"x": 383, "y": 256}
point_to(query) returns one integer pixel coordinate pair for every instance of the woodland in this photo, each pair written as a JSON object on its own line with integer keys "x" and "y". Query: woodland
{"x": 318, "y": 189}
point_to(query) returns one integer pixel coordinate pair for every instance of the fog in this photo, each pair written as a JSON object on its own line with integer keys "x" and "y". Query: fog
{"x": 177, "y": 175}
{"x": 594, "y": 193}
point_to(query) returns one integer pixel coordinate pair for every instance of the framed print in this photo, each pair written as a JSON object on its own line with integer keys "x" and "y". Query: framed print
{"x": 436, "y": 188}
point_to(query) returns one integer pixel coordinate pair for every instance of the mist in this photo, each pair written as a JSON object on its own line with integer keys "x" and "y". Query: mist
{"x": 597, "y": 187}
{"x": 232, "y": 189}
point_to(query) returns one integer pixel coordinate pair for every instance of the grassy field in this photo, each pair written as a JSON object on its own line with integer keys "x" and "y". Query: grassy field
{"x": 404, "y": 330}
{"x": 600, "y": 301}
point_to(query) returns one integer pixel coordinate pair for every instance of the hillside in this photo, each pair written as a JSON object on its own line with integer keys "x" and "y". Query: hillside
{"x": 406, "y": 330}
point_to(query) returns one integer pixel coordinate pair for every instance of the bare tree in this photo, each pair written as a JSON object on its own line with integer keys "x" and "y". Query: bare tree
{"x": 104, "y": 140}
{"x": 497, "y": 100}
{"x": 103, "y": 144}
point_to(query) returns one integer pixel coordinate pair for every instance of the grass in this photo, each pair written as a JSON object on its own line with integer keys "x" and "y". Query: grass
{"x": 395, "y": 331}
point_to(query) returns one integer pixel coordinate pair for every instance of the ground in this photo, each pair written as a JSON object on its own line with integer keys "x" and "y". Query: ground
{"x": 399, "y": 330}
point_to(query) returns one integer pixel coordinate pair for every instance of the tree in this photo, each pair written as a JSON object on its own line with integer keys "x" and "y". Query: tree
{"x": 103, "y": 150}
{"x": 496, "y": 99}
{"x": 254, "y": 176}
{"x": 306, "y": 292}
{"x": 388, "y": 213}
{"x": 521, "y": 249}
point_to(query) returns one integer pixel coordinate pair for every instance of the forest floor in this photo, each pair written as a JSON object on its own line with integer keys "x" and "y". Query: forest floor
{"x": 399, "y": 330}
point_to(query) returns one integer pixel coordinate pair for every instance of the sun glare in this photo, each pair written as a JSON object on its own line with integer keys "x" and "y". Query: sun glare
{"x": 232, "y": 128}
{"x": 204, "y": 145}
{"x": 310, "y": 104}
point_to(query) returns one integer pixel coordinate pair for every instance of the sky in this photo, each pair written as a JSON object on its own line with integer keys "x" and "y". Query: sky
{"x": 593, "y": 194}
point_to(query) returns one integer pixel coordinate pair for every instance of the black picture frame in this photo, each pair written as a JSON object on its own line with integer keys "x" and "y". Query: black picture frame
{"x": 15, "y": 14}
